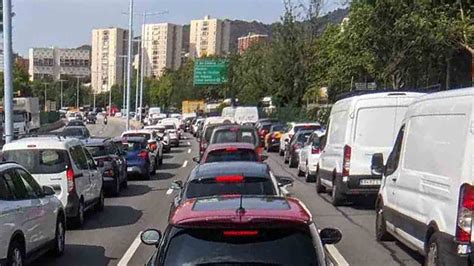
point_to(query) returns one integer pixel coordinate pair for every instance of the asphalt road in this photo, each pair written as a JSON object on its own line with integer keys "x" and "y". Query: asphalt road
{"x": 111, "y": 237}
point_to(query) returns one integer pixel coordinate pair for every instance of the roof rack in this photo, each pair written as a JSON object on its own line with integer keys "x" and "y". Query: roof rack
{"x": 47, "y": 134}
{"x": 428, "y": 89}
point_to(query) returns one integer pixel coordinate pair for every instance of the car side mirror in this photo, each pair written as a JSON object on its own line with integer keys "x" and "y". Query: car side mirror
{"x": 284, "y": 181}
{"x": 377, "y": 167}
{"x": 177, "y": 185}
{"x": 48, "y": 191}
{"x": 151, "y": 237}
{"x": 330, "y": 236}
{"x": 196, "y": 160}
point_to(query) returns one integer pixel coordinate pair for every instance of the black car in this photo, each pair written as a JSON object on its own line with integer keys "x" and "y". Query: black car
{"x": 114, "y": 172}
{"x": 230, "y": 178}
{"x": 79, "y": 132}
{"x": 294, "y": 146}
{"x": 76, "y": 123}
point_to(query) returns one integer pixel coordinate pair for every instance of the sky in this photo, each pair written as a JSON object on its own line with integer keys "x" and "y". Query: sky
{"x": 69, "y": 23}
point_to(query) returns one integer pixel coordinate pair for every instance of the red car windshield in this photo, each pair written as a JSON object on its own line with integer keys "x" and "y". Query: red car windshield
{"x": 230, "y": 156}
{"x": 250, "y": 246}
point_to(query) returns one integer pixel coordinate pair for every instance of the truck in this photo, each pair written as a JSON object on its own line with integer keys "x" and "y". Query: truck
{"x": 26, "y": 115}
{"x": 193, "y": 106}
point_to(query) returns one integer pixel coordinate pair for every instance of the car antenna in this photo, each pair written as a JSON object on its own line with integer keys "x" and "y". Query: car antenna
{"x": 241, "y": 209}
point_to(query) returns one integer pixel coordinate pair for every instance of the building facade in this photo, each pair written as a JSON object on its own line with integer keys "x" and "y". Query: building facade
{"x": 108, "y": 49}
{"x": 245, "y": 42}
{"x": 209, "y": 37}
{"x": 57, "y": 63}
{"x": 162, "y": 44}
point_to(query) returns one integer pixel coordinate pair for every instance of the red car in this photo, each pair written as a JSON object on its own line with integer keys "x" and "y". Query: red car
{"x": 241, "y": 230}
{"x": 230, "y": 152}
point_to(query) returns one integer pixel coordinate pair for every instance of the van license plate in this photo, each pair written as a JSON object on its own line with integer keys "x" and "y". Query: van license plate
{"x": 129, "y": 169}
{"x": 370, "y": 182}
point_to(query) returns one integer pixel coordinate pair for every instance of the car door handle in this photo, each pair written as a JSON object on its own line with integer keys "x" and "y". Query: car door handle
{"x": 394, "y": 179}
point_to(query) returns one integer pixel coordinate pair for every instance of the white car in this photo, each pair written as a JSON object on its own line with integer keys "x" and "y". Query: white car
{"x": 244, "y": 115}
{"x": 154, "y": 144}
{"x": 196, "y": 124}
{"x": 176, "y": 122}
{"x": 161, "y": 132}
{"x": 309, "y": 156}
{"x": 292, "y": 129}
{"x": 65, "y": 165}
{"x": 173, "y": 133}
{"x": 32, "y": 219}
{"x": 359, "y": 126}
{"x": 71, "y": 116}
{"x": 427, "y": 192}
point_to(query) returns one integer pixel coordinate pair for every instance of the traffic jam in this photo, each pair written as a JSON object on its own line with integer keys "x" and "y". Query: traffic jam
{"x": 410, "y": 155}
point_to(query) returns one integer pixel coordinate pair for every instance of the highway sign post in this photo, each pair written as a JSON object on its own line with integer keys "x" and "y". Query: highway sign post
{"x": 210, "y": 71}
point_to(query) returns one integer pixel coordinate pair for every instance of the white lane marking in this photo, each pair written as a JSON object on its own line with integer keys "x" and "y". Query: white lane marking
{"x": 130, "y": 251}
{"x": 169, "y": 191}
{"x": 336, "y": 255}
{"x": 189, "y": 143}
{"x": 185, "y": 163}
{"x": 189, "y": 150}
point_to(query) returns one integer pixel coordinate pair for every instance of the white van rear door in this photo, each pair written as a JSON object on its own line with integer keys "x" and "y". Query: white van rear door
{"x": 375, "y": 128}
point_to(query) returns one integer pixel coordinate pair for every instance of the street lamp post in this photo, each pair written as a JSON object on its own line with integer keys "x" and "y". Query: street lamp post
{"x": 45, "y": 95}
{"x": 77, "y": 93}
{"x": 8, "y": 70}
{"x": 61, "y": 81}
{"x": 129, "y": 61}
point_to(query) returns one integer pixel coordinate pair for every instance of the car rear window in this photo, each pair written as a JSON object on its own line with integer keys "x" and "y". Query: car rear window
{"x": 266, "y": 126}
{"x": 73, "y": 132}
{"x": 39, "y": 161}
{"x": 230, "y": 156}
{"x": 307, "y": 127}
{"x": 98, "y": 151}
{"x": 229, "y": 135}
{"x": 249, "y": 186}
{"x": 208, "y": 133}
{"x": 134, "y": 146}
{"x": 143, "y": 135}
{"x": 303, "y": 137}
{"x": 255, "y": 246}
{"x": 278, "y": 127}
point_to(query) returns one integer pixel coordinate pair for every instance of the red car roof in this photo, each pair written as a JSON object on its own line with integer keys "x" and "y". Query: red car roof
{"x": 226, "y": 210}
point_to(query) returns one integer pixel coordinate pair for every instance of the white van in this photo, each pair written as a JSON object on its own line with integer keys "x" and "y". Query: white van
{"x": 65, "y": 165}
{"x": 359, "y": 127}
{"x": 244, "y": 115}
{"x": 427, "y": 195}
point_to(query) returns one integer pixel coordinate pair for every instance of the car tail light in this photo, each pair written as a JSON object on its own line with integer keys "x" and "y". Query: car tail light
{"x": 231, "y": 149}
{"x": 153, "y": 146}
{"x": 230, "y": 179}
{"x": 70, "y": 179}
{"x": 143, "y": 155}
{"x": 346, "y": 163}
{"x": 465, "y": 214}
{"x": 236, "y": 233}
{"x": 296, "y": 146}
{"x": 109, "y": 173}
{"x": 315, "y": 150}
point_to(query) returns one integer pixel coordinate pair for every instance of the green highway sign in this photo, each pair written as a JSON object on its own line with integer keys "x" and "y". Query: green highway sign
{"x": 210, "y": 71}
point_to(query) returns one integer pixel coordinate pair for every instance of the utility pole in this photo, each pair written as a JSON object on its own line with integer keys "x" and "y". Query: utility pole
{"x": 61, "y": 81}
{"x": 8, "y": 70}
{"x": 45, "y": 95}
{"x": 142, "y": 56}
{"x": 124, "y": 81}
{"x": 77, "y": 93}
{"x": 129, "y": 61}
{"x": 137, "y": 82}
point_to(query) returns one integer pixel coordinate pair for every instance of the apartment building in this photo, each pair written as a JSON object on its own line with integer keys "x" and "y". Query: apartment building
{"x": 209, "y": 37}
{"x": 162, "y": 45}
{"x": 245, "y": 42}
{"x": 108, "y": 49}
{"x": 57, "y": 63}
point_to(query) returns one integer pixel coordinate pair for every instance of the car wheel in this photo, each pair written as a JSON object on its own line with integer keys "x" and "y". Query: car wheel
{"x": 381, "y": 233}
{"x": 281, "y": 153}
{"x": 60, "y": 238}
{"x": 16, "y": 254}
{"x": 116, "y": 190}
{"x": 307, "y": 176}
{"x": 291, "y": 162}
{"x": 336, "y": 196}
{"x": 433, "y": 257}
{"x": 160, "y": 161}
{"x": 285, "y": 157}
{"x": 300, "y": 173}
{"x": 319, "y": 187}
{"x": 78, "y": 220}
{"x": 100, "y": 204}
